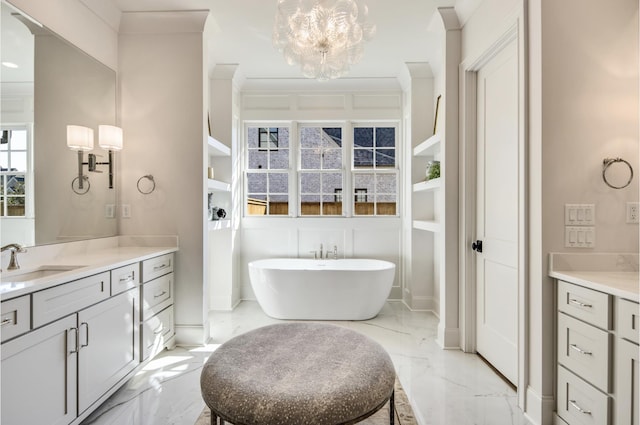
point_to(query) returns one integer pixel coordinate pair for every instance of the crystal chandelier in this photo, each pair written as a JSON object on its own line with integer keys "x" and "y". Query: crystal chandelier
{"x": 325, "y": 37}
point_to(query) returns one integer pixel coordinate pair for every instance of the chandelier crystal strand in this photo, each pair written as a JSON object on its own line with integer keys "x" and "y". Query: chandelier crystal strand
{"x": 324, "y": 37}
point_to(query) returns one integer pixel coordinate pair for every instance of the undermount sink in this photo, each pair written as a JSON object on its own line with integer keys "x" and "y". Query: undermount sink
{"x": 38, "y": 273}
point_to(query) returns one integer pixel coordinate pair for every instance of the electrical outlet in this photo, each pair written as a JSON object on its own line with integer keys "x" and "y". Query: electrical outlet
{"x": 126, "y": 211}
{"x": 633, "y": 213}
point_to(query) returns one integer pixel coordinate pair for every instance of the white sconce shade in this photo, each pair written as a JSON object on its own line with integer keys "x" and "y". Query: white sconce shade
{"x": 110, "y": 137}
{"x": 79, "y": 138}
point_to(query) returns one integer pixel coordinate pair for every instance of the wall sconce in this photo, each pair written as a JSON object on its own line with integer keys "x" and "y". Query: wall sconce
{"x": 110, "y": 139}
{"x": 80, "y": 139}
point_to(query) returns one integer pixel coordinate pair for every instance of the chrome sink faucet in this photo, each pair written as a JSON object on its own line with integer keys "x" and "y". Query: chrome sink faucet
{"x": 13, "y": 260}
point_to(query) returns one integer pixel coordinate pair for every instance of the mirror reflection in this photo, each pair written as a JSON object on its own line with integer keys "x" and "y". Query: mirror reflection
{"x": 45, "y": 85}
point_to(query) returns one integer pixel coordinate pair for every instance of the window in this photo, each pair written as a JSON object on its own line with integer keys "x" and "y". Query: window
{"x": 321, "y": 171}
{"x": 375, "y": 171}
{"x": 13, "y": 172}
{"x": 267, "y": 171}
{"x": 303, "y": 172}
{"x": 268, "y": 139}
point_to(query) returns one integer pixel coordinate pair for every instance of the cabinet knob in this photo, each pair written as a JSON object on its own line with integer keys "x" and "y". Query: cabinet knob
{"x": 477, "y": 246}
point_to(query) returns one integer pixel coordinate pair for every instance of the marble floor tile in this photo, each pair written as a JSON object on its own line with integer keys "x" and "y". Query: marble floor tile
{"x": 443, "y": 386}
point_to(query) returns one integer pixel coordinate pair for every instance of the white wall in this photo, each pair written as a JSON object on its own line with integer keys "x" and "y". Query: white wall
{"x": 163, "y": 86}
{"x": 264, "y": 237}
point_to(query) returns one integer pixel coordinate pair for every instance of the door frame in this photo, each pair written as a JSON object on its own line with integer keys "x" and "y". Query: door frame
{"x": 468, "y": 70}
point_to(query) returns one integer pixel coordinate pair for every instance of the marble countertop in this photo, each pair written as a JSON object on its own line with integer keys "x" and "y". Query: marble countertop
{"x": 84, "y": 264}
{"x": 615, "y": 274}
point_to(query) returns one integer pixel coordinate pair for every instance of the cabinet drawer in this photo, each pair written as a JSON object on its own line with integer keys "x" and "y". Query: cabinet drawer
{"x": 125, "y": 278}
{"x": 15, "y": 317}
{"x": 579, "y": 403}
{"x": 61, "y": 300}
{"x": 157, "y": 295}
{"x": 586, "y": 304}
{"x": 156, "y": 333}
{"x": 156, "y": 267}
{"x": 585, "y": 350}
{"x": 628, "y": 326}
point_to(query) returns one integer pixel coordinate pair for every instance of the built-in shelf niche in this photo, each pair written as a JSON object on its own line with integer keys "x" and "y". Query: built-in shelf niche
{"x": 427, "y": 225}
{"x": 428, "y": 185}
{"x": 217, "y": 148}
{"x": 430, "y": 147}
{"x": 219, "y": 224}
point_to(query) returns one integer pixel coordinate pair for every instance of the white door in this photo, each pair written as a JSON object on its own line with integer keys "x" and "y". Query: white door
{"x": 497, "y": 211}
{"x": 108, "y": 345}
{"x": 39, "y": 375}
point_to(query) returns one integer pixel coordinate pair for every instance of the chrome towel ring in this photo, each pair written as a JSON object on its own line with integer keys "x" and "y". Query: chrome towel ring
{"x": 606, "y": 163}
{"x": 86, "y": 185}
{"x": 153, "y": 184}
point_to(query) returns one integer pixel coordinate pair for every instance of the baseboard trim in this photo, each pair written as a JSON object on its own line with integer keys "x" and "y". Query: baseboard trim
{"x": 448, "y": 338}
{"x": 190, "y": 335}
{"x": 539, "y": 408}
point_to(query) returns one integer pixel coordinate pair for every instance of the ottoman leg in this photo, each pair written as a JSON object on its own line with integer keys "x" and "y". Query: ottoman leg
{"x": 214, "y": 419}
{"x": 392, "y": 413}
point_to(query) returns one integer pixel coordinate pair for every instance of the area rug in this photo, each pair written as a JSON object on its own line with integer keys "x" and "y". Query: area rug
{"x": 404, "y": 413}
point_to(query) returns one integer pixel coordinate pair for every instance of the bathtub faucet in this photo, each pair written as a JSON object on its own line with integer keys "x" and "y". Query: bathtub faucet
{"x": 335, "y": 252}
{"x": 321, "y": 251}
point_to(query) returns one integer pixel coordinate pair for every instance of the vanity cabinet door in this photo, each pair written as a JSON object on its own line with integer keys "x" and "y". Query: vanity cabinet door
{"x": 39, "y": 375}
{"x": 627, "y": 386}
{"x": 108, "y": 351}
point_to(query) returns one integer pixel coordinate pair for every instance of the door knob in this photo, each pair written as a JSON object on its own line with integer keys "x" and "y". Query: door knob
{"x": 477, "y": 246}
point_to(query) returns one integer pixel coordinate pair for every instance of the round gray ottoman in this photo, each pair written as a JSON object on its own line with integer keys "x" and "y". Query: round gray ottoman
{"x": 298, "y": 373}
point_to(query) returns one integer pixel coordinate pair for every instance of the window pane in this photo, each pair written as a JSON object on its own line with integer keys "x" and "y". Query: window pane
{"x": 278, "y": 204}
{"x": 19, "y": 161}
{"x": 386, "y": 205}
{"x": 4, "y": 161}
{"x": 331, "y": 182}
{"x": 364, "y": 181}
{"x": 332, "y": 159}
{"x": 363, "y": 137}
{"x": 15, "y": 206}
{"x": 256, "y": 204}
{"x": 279, "y": 160}
{"x": 283, "y": 137}
{"x": 257, "y": 182}
{"x": 386, "y": 183}
{"x": 363, "y": 158}
{"x": 19, "y": 140}
{"x": 310, "y": 137}
{"x": 385, "y": 158}
{"x": 310, "y": 183}
{"x": 332, "y": 137}
{"x": 278, "y": 183}
{"x": 258, "y": 159}
{"x": 310, "y": 205}
{"x": 311, "y": 159}
{"x": 252, "y": 137}
{"x": 385, "y": 137}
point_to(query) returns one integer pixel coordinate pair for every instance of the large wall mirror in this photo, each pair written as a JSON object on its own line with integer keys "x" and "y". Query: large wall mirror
{"x": 46, "y": 84}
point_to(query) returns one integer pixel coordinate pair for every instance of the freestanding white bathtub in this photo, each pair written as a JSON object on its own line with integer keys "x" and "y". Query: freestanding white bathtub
{"x": 307, "y": 289}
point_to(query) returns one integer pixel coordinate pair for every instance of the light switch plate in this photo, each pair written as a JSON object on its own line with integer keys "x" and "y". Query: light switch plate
{"x": 633, "y": 213}
{"x": 109, "y": 211}
{"x": 126, "y": 211}
{"x": 579, "y": 237}
{"x": 579, "y": 214}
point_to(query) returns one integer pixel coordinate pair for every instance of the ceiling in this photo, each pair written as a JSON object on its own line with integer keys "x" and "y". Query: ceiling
{"x": 239, "y": 32}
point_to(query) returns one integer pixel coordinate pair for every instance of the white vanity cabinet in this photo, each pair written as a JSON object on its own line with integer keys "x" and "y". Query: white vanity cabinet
{"x": 84, "y": 343}
{"x": 597, "y": 354}
{"x": 39, "y": 375}
{"x": 627, "y": 374}
{"x": 157, "y": 325}
{"x": 107, "y": 336}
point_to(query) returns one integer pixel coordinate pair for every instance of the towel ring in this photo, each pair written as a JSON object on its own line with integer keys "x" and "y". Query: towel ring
{"x": 150, "y": 178}
{"x": 86, "y": 181}
{"x": 606, "y": 163}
